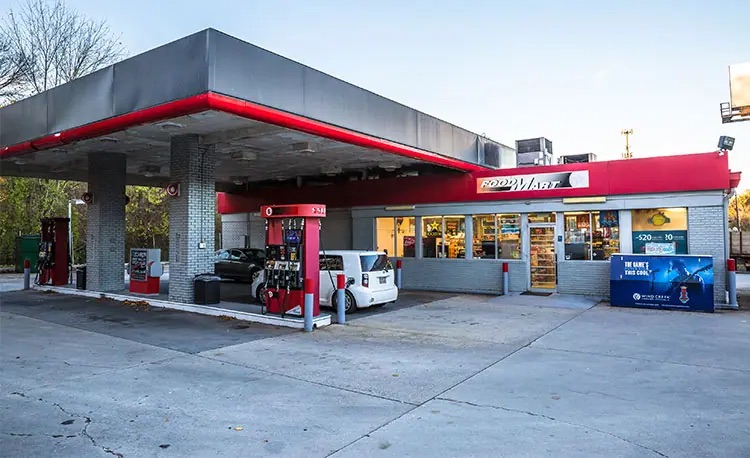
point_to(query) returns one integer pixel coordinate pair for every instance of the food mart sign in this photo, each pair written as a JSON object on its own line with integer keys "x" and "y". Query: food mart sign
{"x": 534, "y": 182}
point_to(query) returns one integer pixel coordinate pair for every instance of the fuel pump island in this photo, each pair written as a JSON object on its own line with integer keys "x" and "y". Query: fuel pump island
{"x": 292, "y": 261}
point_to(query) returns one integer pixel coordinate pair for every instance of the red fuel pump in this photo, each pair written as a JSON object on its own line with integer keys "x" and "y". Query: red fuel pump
{"x": 292, "y": 245}
{"x": 54, "y": 253}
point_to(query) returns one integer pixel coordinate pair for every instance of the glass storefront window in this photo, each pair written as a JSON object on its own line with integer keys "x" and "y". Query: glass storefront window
{"x": 485, "y": 237}
{"x": 497, "y": 236}
{"x": 509, "y": 236}
{"x": 542, "y": 217}
{"x": 406, "y": 237}
{"x": 432, "y": 237}
{"x": 660, "y": 231}
{"x": 591, "y": 235}
{"x": 606, "y": 235}
{"x": 384, "y": 228}
{"x": 455, "y": 236}
{"x": 577, "y": 236}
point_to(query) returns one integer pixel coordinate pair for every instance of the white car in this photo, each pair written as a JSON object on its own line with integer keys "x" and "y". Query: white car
{"x": 370, "y": 279}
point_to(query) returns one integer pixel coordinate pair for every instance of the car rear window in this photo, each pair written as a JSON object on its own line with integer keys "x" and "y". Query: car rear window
{"x": 374, "y": 262}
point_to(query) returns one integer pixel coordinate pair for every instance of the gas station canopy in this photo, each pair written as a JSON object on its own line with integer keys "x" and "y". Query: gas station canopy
{"x": 270, "y": 119}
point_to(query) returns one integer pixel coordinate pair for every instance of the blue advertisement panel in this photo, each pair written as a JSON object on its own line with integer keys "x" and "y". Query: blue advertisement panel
{"x": 662, "y": 282}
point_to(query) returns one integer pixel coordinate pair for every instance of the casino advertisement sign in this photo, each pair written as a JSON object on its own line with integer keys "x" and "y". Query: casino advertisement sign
{"x": 534, "y": 182}
{"x": 662, "y": 282}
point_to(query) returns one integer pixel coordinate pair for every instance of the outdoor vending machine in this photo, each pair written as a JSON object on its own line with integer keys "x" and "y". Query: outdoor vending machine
{"x": 292, "y": 245}
{"x": 54, "y": 255}
{"x": 145, "y": 270}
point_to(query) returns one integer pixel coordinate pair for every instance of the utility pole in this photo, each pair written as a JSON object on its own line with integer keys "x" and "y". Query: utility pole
{"x": 627, "y": 133}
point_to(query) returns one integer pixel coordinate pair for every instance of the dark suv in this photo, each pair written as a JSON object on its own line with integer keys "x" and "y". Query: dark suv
{"x": 239, "y": 263}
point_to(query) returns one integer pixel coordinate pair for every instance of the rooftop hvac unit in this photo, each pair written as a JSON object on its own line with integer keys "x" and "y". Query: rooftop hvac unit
{"x": 534, "y": 151}
{"x": 577, "y": 158}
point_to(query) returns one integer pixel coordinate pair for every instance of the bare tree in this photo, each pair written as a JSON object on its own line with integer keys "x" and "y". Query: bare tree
{"x": 57, "y": 43}
{"x": 12, "y": 68}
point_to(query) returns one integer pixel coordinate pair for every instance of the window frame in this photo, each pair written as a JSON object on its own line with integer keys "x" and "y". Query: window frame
{"x": 589, "y": 239}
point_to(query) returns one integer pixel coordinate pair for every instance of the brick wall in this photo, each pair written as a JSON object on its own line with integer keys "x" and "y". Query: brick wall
{"x": 462, "y": 275}
{"x": 706, "y": 236}
{"x": 589, "y": 278}
{"x": 191, "y": 215}
{"x": 105, "y": 232}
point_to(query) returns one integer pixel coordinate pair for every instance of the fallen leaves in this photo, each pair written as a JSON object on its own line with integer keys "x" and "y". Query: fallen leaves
{"x": 139, "y": 306}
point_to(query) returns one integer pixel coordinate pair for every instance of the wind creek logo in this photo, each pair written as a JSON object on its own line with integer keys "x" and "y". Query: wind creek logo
{"x": 684, "y": 298}
{"x": 637, "y": 296}
{"x": 534, "y": 182}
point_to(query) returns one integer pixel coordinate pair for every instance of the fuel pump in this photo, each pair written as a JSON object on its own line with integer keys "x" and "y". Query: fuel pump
{"x": 292, "y": 243}
{"x": 54, "y": 253}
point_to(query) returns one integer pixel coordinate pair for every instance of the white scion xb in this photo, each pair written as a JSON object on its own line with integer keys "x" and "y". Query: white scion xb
{"x": 370, "y": 279}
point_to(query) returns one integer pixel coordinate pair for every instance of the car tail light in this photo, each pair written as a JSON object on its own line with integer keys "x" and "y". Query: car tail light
{"x": 365, "y": 280}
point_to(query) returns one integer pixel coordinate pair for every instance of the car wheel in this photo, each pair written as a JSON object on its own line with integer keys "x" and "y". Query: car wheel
{"x": 250, "y": 274}
{"x": 260, "y": 294}
{"x": 350, "y": 303}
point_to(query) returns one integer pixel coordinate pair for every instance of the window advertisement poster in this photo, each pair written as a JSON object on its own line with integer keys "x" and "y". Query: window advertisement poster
{"x": 662, "y": 282}
{"x": 660, "y": 229}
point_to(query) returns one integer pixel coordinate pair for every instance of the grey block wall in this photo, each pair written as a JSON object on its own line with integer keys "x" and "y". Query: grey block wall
{"x": 363, "y": 233}
{"x": 336, "y": 230}
{"x": 105, "y": 233}
{"x": 191, "y": 215}
{"x": 517, "y": 275}
{"x": 590, "y": 278}
{"x": 706, "y": 237}
{"x": 234, "y": 229}
{"x": 461, "y": 275}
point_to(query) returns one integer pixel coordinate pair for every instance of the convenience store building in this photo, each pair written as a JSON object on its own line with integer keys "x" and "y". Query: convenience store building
{"x": 555, "y": 226}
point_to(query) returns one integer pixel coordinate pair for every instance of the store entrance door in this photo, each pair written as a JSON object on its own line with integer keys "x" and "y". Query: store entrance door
{"x": 542, "y": 260}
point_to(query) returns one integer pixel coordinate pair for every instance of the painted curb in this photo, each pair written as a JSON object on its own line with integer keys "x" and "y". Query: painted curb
{"x": 296, "y": 323}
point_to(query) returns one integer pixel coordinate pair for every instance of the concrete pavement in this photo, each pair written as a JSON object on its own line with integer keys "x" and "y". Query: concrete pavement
{"x": 458, "y": 376}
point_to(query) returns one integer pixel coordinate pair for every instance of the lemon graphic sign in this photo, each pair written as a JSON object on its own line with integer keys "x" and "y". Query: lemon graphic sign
{"x": 659, "y": 219}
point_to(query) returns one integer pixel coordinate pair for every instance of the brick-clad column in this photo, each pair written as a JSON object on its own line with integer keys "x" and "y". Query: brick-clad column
{"x": 706, "y": 237}
{"x": 192, "y": 223}
{"x": 105, "y": 233}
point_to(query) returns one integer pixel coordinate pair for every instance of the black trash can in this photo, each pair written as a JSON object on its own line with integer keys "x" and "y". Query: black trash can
{"x": 207, "y": 289}
{"x": 81, "y": 277}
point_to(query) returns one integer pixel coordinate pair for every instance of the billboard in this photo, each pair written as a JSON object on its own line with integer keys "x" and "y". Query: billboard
{"x": 676, "y": 282}
{"x": 739, "y": 86}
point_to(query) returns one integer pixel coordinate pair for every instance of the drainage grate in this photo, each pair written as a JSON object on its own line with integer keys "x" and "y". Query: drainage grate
{"x": 534, "y": 293}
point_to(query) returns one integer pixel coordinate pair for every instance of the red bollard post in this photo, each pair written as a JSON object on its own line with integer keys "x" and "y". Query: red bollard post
{"x": 732, "y": 282}
{"x": 341, "y": 299}
{"x": 309, "y": 286}
{"x": 505, "y": 279}
{"x": 26, "y": 274}
{"x": 398, "y": 273}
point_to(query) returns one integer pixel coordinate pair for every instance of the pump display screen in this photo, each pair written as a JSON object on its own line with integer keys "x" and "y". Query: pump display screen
{"x": 293, "y": 236}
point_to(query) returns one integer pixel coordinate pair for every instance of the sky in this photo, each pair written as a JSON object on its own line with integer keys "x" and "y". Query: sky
{"x": 575, "y": 71}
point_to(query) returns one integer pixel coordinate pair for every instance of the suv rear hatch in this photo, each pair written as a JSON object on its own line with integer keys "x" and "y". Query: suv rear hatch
{"x": 377, "y": 269}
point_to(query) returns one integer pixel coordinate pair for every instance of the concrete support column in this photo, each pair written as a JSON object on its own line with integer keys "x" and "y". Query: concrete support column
{"x": 192, "y": 224}
{"x": 105, "y": 232}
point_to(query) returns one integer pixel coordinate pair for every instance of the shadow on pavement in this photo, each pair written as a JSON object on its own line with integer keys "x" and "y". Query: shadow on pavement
{"x": 175, "y": 330}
